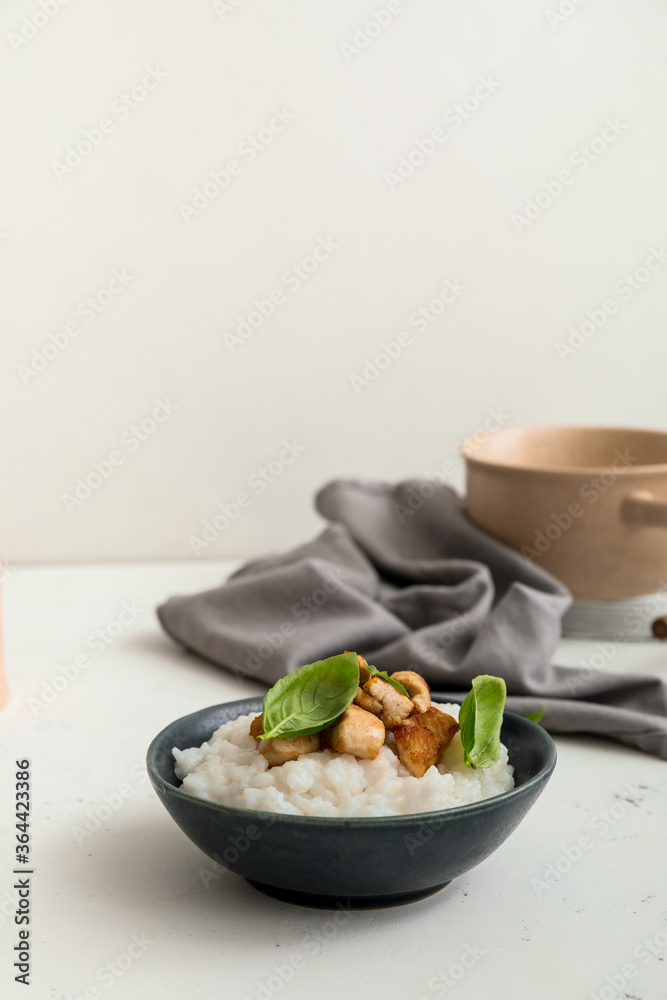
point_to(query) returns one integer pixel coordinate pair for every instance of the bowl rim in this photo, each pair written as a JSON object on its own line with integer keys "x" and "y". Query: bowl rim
{"x": 489, "y": 462}
{"x": 167, "y": 788}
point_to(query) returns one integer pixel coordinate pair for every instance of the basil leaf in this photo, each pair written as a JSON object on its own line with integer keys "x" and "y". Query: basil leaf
{"x": 310, "y": 698}
{"x": 374, "y": 672}
{"x": 535, "y": 716}
{"x": 480, "y": 719}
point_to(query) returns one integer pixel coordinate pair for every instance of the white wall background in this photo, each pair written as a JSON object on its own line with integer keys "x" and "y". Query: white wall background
{"x": 355, "y": 113}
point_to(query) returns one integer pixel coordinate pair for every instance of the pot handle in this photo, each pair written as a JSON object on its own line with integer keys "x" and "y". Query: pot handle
{"x": 643, "y": 508}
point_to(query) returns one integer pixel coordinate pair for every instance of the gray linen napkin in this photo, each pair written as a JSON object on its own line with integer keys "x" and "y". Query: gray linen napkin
{"x": 403, "y": 577}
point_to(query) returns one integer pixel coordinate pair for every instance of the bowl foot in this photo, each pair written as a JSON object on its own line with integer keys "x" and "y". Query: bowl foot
{"x": 345, "y": 902}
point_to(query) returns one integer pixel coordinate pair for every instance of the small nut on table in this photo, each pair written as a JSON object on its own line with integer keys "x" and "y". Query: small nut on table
{"x": 659, "y": 627}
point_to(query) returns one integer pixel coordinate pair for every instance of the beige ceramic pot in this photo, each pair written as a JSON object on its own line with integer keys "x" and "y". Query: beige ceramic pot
{"x": 588, "y": 504}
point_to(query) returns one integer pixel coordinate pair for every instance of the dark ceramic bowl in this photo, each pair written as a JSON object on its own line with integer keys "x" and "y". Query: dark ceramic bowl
{"x": 362, "y": 862}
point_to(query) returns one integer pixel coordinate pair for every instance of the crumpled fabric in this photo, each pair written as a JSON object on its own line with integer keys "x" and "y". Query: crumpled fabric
{"x": 402, "y": 576}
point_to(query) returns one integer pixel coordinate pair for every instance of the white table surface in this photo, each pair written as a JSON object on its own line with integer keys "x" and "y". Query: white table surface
{"x": 526, "y": 932}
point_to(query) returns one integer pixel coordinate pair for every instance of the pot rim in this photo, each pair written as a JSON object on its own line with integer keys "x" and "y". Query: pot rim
{"x": 558, "y": 470}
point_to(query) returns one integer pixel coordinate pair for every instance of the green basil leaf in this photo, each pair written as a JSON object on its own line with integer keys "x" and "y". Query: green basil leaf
{"x": 480, "y": 719}
{"x": 374, "y": 672}
{"x": 310, "y": 698}
{"x": 535, "y": 716}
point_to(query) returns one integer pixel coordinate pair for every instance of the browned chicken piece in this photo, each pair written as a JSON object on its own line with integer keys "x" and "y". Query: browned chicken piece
{"x": 366, "y": 701}
{"x": 418, "y": 748}
{"x": 363, "y": 674}
{"x": 356, "y": 732}
{"x": 395, "y": 706}
{"x": 444, "y": 726}
{"x": 257, "y": 727}
{"x": 417, "y": 688}
{"x": 280, "y": 749}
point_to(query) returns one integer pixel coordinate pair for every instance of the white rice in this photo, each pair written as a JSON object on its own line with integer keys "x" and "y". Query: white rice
{"x": 229, "y": 769}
